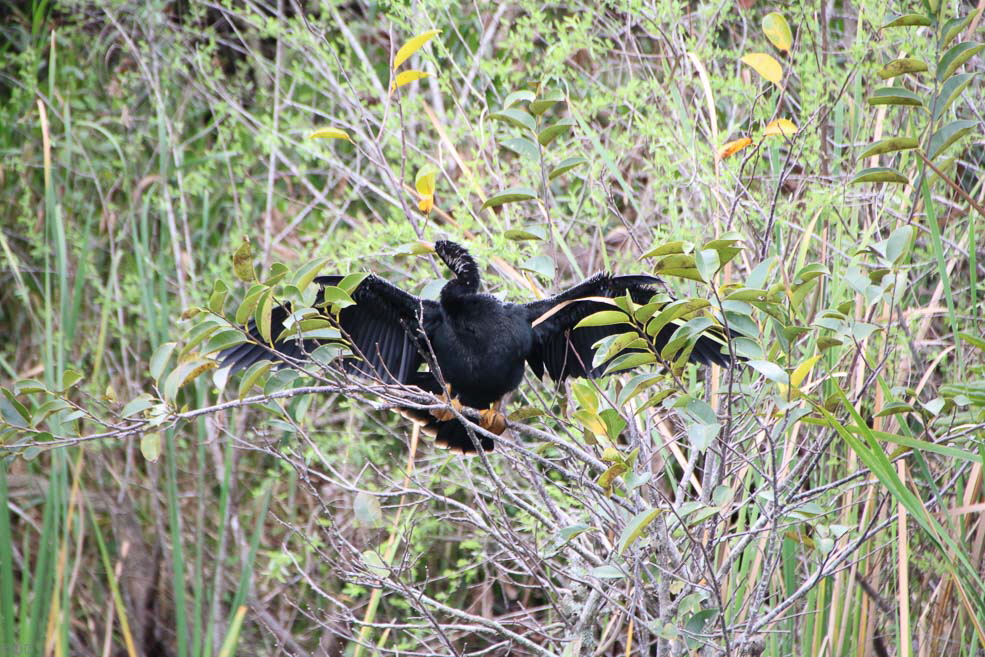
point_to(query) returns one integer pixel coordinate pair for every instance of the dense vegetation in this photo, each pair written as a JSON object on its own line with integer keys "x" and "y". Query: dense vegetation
{"x": 159, "y": 189}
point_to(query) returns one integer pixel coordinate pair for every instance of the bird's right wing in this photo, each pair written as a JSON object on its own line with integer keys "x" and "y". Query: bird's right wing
{"x": 565, "y": 351}
{"x": 385, "y": 327}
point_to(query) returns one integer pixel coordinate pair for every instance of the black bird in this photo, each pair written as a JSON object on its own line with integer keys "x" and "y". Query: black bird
{"x": 475, "y": 346}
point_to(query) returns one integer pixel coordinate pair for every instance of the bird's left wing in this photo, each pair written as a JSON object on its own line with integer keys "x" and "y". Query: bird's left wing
{"x": 564, "y": 351}
{"x": 385, "y": 327}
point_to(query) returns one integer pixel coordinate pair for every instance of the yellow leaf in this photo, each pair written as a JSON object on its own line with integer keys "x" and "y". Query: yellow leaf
{"x": 426, "y": 203}
{"x": 412, "y": 46}
{"x": 424, "y": 182}
{"x": 765, "y": 65}
{"x": 329, "y": 133}
{"x": 777, "y": 30}
{"x": 798, "y": 375}
{"x": 406, "y": 77}
{"x": 733, "y": 147}
{"x": 783, "y": 127}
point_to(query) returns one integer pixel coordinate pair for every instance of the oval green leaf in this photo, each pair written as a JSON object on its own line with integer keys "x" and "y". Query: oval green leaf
{"x": 894, "y": 96}
{"x": 957, "y": 56}
{"x": 511, "y": 195}
{"x": 522, "y": 96}
{"x": 909, "y": 20}
{"x": 565, "y": 166}
{"x": 953, "y": 28}
{"x": 546, "y": 102}
{"x": 889, "y": 145}
{"x": 902, "y": 67}
{"x": 635, "y": 528}
{"x": 552, "y": 132}
{"x": 879, "y": 174}
{"x": 243, "y": 261}
{"x": 604, "y": 318}
{"x": 949, "y": 92}
{"x": 515, "y": 117}
{"x": 947, "y": 135}
{"x": 528, "y": 233}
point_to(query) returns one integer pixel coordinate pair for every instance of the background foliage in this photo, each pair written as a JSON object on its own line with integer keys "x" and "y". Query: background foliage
{"x": 825, "y": 498}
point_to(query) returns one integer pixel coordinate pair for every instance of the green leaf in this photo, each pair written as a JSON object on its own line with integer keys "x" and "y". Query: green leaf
{"x": 138, "y": 404}
{"x": 249, "y": 303}
{"x": 949, "y": 92}
{"x": 150, "y": 446}
{"x": 771, "y": 371}
{"x": 243, "y": 261}
{"x": 565, "y": 166}
{"x": 69, "y": 378}
{"x": 635, "y": 528}
{"x": 511, "y": 195}
{"x": 413, "y": 45}
{"x": 253, "y": 374}
{"x": 879, "y": 174}
{"x": 217, "y": 300}
{"x": 953, "y": 28}
{"x": 777, "y": 30}
{"x": 707, "y": 263}
{"x": 223, "y": 340}
{"x": 366, "y": 508}
{"x": 894, "y": 96}
{"x": 546, "y": 102}
{"x": 308, "y": 271}
{"x": 898, "y": 243}
{"x": 160, "y": 359}
{"x": 527, "y": 233}
{"x": 375, "y": 565}
{"x": 522, "y": 96}
{"x": 607, "y": 572}
{"x": 604, "y": 318}
{"x": 262, "y": 316}
{"x": 889, "y": 145}
{"x": 522, "y": 147}
{"x": 957, "y": 56}
{"x": 541, "y": 265}
{"x": 949, "y": 134}
{"x": 909, "y": 20}
{"x": 515, "y": 117}
{"x": 670, "y": 248}
{"x": 12, "y": 411}
{"x": 902, "y": 67}
{"x": 552, "y": 132}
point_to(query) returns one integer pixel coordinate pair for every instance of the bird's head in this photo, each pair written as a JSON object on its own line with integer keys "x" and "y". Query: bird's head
{"x": 460, "y": 262}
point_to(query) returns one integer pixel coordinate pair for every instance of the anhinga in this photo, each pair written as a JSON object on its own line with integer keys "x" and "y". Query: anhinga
{"x": 475, "y": 346}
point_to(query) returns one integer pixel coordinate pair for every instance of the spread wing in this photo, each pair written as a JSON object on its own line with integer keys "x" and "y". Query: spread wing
{"x": 564, "y": 351}
{"x": 384, "y": 327}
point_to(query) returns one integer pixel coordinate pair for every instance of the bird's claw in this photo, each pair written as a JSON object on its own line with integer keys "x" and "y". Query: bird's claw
{"x": 492, "y": 420}
{"x": 447, "y": 414}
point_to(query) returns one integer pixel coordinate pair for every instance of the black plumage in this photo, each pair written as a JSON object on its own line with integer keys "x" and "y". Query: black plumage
{"x": 475, "y": 346}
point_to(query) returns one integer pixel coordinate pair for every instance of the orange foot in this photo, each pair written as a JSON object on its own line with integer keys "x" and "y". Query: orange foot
{"x": 492, "y": 420}
{"x": 446, "y": 414}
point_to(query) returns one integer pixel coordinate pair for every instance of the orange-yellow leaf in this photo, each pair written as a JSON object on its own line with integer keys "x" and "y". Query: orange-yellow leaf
{"x": 426, "y": 203}
{"x": 783, "y": 127}
{"x": 424, "y": 181}
{"x": 765, "y": 65}
{"x": 412, "y": 46}
{"x": 406, "y": 77}
{"x": 329, "y": 133}
{"x": 777, "y": 30}
{"x": 733, "y": 147}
